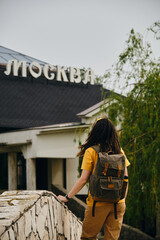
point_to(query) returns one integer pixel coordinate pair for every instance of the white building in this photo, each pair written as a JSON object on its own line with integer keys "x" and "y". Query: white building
{"x": 44, "y": 114}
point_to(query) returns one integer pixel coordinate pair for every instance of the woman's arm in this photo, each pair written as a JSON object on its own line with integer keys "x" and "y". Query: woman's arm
{"x": 78, "y": 186}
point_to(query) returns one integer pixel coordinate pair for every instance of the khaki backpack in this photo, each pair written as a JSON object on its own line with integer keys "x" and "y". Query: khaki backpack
{"x": 106, "y": 182}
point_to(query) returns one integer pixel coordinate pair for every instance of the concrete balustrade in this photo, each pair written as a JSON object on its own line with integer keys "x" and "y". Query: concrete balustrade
{"x": 36, "y": 215}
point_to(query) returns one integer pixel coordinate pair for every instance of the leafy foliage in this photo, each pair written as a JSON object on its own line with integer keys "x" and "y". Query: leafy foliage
{"x": 139, "y": 115}
{"x": 155, "y": 28}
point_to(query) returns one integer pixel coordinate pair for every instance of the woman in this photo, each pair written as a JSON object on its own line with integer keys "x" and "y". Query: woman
{"x": 104, "y": 134}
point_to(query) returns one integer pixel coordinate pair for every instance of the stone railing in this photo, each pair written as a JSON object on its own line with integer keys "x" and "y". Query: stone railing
{"x": 131, "y": 233}
{"x": 36, "y": 215}
{"x": 78, "y": 208}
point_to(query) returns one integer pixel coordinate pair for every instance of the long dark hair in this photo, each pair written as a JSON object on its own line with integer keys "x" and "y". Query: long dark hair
{"x": 103, "y": 132}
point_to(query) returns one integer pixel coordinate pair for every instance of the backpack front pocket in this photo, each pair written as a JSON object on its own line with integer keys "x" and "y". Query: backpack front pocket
{"x": 110, "y": 184}
{"x": 110, "y": 188}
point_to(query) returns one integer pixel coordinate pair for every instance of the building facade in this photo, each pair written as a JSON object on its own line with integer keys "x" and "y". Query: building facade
{"x": 45, "y": 113}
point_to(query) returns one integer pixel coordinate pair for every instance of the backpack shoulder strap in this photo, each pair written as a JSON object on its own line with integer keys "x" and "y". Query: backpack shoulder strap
{"x": 96, "y": 148}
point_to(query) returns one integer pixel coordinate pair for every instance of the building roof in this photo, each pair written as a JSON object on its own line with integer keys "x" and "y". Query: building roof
{"x": 7, "y": 54}
{"x": 92, "y": 109}
{"x": 29, "y": 102}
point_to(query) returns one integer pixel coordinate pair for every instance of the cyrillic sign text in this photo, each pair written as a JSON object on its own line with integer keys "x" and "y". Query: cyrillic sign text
{"x": 72, "y": 74}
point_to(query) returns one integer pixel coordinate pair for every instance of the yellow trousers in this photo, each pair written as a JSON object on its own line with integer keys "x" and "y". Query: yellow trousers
{"x": 103, "y": 215}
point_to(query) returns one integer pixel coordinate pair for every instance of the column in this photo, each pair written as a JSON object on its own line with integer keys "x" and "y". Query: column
{"x": 12, "y": 171}
{"x": 31, "y": 173}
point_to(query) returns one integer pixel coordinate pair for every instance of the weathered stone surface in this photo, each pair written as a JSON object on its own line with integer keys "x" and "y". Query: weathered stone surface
{"x": 31, "y": 237}
{"x": 5, "y": 236}
{"x": 55, "y": 235}
{"x": 38, "y": 207}
{"x": 15, "y": 229}
{"x": 46, "y": 235}
{"x": 37, "y": 237}
{"x": 4, "y": 198}
{"x": 10, "y": 193}
{"x": 21, "y": 228}
{"x": 10, "y": 215}
{"x": 31, "y": 197}
{"x": 33, "y": 219}
{"x": 44, "y": 200}
{"x": 38, "y": 193}
{"x": 66, "y": 225}
{"x": 3, "y": 203}
{"x": 48, "y": 225}
{"x": 50, "y": 211}
{"x": 41, "y": 221}
{"x": 5, "y": 223}
{"x": 27, "y": 223}
{"x": 2, "y": 228}
{"x": 5, "y": 209}
{"x": 59, "y": 218}
{"x": 35, "y": 215}
{"x": 11, "y": 234}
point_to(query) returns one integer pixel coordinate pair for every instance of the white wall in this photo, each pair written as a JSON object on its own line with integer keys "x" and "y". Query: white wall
{"x": 57, "y": 145}
{"x": 57, "y": 172}
{"x": 72, "y": 173}
{"x": 43, "y": 143}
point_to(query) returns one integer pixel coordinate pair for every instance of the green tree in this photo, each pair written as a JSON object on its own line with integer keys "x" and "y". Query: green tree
{"x": 139, "y": 115}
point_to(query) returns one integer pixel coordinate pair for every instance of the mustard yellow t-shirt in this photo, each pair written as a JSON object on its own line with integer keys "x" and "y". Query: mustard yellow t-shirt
{"x": 89, "y": 162}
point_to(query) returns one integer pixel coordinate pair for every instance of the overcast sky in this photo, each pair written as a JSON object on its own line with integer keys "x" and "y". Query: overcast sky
{"x": 78, "y": 33}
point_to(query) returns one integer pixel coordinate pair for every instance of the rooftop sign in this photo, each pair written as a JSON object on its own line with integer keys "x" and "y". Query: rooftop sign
{"x": 71, "y": 74}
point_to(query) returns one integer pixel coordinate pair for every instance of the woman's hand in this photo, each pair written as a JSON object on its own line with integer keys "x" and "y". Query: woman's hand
{"x": 62, "y": 198}
{"x": 77, "y": 187}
